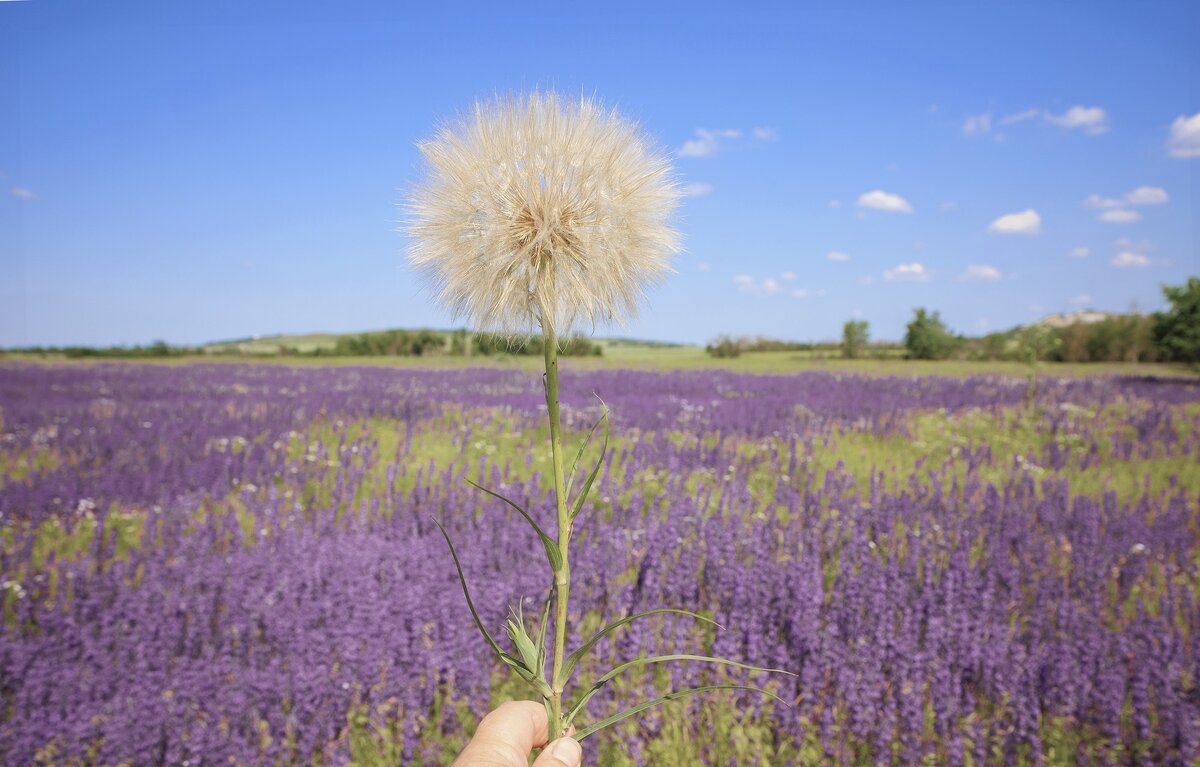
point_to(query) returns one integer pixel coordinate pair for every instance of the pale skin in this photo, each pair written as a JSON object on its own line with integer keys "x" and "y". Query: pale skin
{"x": 507, "y": 736}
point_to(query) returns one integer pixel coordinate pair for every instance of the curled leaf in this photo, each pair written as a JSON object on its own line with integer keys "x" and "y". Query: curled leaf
{"x": 553, "y": 553}
{"x": 616, "y": 671}
{"x": 573, "y": 659}
{"x": 505, "y": 657}
{"x": 586, "y": 731}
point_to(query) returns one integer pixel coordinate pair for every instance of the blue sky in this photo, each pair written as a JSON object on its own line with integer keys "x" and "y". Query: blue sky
{"x": 199, "y": 171}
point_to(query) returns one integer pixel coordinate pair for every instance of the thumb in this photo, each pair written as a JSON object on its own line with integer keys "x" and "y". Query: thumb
{"x": 564, "y": 752}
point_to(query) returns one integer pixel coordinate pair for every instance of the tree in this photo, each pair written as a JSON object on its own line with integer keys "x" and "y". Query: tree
{"x": 854, "y": 338}
{"x": 1177, "y": 331}
{"x": 927, "y": 337}
{"x": 724, "y": 346}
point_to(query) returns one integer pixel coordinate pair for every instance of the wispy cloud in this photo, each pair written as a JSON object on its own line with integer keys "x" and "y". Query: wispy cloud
{"x": 696, "y": 189}
{"x": 1091, "y": 120}
{"x": 1119, "y": 216}
{"x": 1096, "y": 201}
{"x": 1147, "y": 195}
{"x": 977, "y": 125}
{"x": 1020, "y": 117}
{"x": 881, "y": 200}
{"x": 949, "y": 205}
{"x": 743, "y": 279}
{"x": 703, "y": 267}
{"x": 980, "y": 273}
{"x": 1143, "y": 195}
{"x": 1080, "y": 252}
{"x": 835, "y": 203}
{"x": 1081, "y": 299}
{"x": 788, "y": 276}
{"x": 1185, "y": 136}
{"x": 21, "y": 193}
{"x": 707, "y": 142}
{"x": 1025, "y": 222}
{"x": 799, "y": 293}
{"x": 913, "y": 272}
{"x": 837, "y": 255}
{"x": 1126, "y": 259}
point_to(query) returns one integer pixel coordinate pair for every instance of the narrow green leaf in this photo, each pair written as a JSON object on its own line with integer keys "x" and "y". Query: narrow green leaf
{"x": 573, "y": 658}
{"x": 541, "y": 640}
{"x": 552, "y": 551}
{"x": 587, "y": 441}
{"x": 577, "y": 504}
{"x": 660, "y": 659}
{"x": 586, "y": 731}
{"x": 508, "y": 659}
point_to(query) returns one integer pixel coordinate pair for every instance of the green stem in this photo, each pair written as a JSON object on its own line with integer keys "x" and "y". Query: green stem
{"x": 562, "y": 578}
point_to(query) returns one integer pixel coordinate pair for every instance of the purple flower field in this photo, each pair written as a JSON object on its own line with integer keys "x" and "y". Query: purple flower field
{"x": 237, "y": 564}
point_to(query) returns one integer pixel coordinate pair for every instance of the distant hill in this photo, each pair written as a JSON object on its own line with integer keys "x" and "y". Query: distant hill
{"x": 310, "y": 343}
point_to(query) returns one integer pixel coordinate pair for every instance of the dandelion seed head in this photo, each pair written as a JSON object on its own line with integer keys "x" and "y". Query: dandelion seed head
{"x": 537, "y": 211}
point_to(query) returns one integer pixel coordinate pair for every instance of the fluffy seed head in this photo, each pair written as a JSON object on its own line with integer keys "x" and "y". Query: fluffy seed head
{"x": 540, "y": 211}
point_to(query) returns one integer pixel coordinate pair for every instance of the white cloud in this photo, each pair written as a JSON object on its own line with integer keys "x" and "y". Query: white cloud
{"x": 1147, "y": 195}
{"x": 978, "y": 125}
{"x": 788, "y": 276}
{"x": 1026, "y": 222}
{"x": 704, "y": 145}
{"x": 1081, "y": 299}
{"x": 1143, "y": 195}
{"x": 1138, "y": 246}
{"x": 799, "y": 293}
{"x": 1019, "y": 117}
{"x": 881, "y": 200}
{"x": 981, "y": 273}
{"x": 1119, "y": 216}
{"x": 22, "y": 193}
{"x": 703, "y": 267}
{"x": 835, "y": 203}
{"x": 750, "y": 286}
{"x": 837, "y": 255}
{"x": 1080, "y": 252}
{"x": 1096, "y": 201}
{"x": 1185, "y": 136}
{"x": 765, "y": 134}
{"x": 696, "y": 189}
{"x": 1091, "y": 120}
{"x": 1126, "y": 259}
{"x": 913, "y": 272}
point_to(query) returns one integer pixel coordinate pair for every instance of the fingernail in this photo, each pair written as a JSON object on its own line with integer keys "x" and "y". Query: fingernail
{"x": 568, "y": 750}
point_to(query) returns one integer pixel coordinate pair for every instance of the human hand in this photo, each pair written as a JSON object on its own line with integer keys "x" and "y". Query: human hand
{"x": 507, "y": 736}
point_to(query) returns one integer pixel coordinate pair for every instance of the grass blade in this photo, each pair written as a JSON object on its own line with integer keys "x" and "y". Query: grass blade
{"x": 508, "y": 659}
{"x": 616, "y": 671}
{"x": 587, "y": 441}
{"x": 586, "y": 731}
{"x": 577, "y": 504}
{"x": 573, "y": 658}
{"x": 552, "y": 551}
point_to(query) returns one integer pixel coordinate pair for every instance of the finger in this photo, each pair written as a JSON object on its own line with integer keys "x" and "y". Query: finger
{"x": 564, "y": 752}
{"x": 506, "y": 736}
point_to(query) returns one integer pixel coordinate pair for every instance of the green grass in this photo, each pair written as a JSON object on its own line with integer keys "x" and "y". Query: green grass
{"x": 694, "y": 358}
